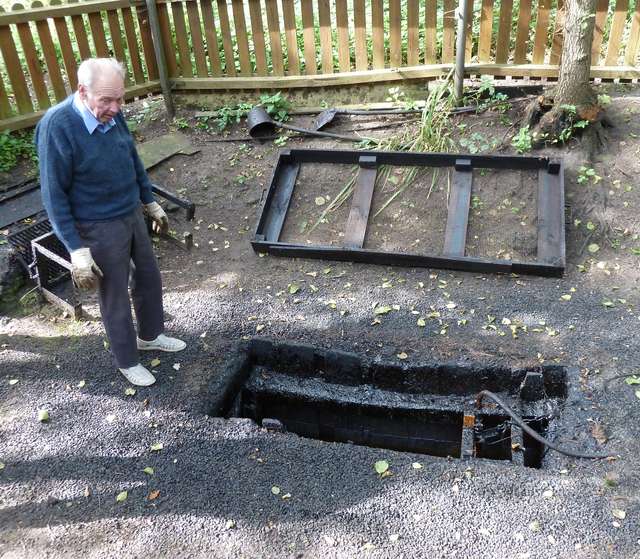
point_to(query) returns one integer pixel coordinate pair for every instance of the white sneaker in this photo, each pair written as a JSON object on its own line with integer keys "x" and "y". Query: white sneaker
{"x": 138, "y": 375}
{"x": 162, "y": 343}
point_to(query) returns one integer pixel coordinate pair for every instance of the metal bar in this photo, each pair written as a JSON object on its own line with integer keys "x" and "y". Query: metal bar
{"x": 75, "y": 309}
{"x": 551, "y": 245}
{"x": 455, "y": 237}
{"x": 188, "y": 205}
{"x": 361, "y": 203}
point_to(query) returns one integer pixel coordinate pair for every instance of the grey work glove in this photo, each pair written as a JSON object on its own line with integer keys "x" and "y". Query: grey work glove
{"x": 85, "y": 272}
{"x": 158, "y": 216}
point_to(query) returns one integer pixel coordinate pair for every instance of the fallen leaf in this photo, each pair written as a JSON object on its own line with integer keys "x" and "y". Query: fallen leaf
{"x": 176, "y": 366}
{"x": 286, "y": 496}
{"x": 13, "y": 381}
{"x": 155, "y": 362}
{"x": 320, "y": 201}
{"x": 43, "y": 416}
{"x": 422, "y": 322}
{"x": 381, "y": 466}
{"x": 597, "y": 431}
{"x": 81, "y": 384}
{"x": 547, "y": 494}
{"x": 129, "y": 391}
{"x": 402, "y": 355}
{"x": 394, "y": 537}
{"x": 619, "y": 514}
{"x": 148, "y": 470}
{"x": 416, "y": 466}
{"x": 534, "y": 526}
{"x": 153, "y": 495}
{"x": 293, "y": 288}
{"x": 157, "y": 446}
{"x": 638, "y": 394}
{"x": 230, "y": 524}
{"x": 382, "y": 310}
{"x": 593, "y": 248}
{"x": 122, "y": 496}
{"x": 632, "y": 380}
{"x": 1, "y": 465}
{"x": 451, "y": 305}
{"x": 275, "y": 490}
{"x": 259, "y": 327}
{"x": 565, "y": 297}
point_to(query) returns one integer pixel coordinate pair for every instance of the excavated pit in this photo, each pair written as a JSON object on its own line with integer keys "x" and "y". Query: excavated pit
{"x": 430, "y": 409}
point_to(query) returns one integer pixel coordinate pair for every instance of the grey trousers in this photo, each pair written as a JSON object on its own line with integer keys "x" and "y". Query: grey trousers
{"x": 121, "y": 247}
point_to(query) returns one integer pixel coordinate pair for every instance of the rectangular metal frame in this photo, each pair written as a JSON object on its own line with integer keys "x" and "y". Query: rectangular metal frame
{"x": 550, "y": 227}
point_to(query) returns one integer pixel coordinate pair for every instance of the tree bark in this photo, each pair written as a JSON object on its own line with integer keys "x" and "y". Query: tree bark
{"x": 573, "y": 82}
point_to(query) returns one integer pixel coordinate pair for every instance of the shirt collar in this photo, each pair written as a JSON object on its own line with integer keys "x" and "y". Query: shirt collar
{"x": 90, "y": 121}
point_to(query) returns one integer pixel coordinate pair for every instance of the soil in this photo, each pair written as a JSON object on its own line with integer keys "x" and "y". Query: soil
{"x": 59, "y": 480}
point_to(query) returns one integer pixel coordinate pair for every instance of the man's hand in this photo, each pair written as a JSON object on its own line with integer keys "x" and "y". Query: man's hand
{"x": 85, "y": 272}
{"x": 159, "y": 218}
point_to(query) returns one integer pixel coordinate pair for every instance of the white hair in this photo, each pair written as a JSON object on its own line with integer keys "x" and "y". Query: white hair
{"x": 93, "y": 68}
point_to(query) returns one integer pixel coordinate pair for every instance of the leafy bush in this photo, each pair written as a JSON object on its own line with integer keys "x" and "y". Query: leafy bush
{"x": 14, "y": 146}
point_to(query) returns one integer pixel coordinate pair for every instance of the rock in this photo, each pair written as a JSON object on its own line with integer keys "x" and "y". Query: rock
{"x": 12, "y": 275}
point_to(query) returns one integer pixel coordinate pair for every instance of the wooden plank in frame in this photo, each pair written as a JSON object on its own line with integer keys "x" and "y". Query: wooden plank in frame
{"x": 50, "y": 57}
{"x": 132, "y": 45}
{"x": 356, "y": 228}
{"x": 116, "y": 40}
{"x": 167, "y": 41}
{"x": 448, "y": 31}
{"x": 308, "y": 34}
{"x": 395, "y": 34}
{"x": 486, "y": 31}
{"x": 97, "y": 34}
{"x": 360, "y": 35}
{"x": 184, "y": 52}
{"x": 504, "y": 31}
{"x": 413, "y": 38}
{"x": 455, "y": 237}
{"x": 342, "y": 24}
{"x": 430, "y": 36}
{"x": 66, "y": 48}
{"x": 522, "y": 35}
{"x": 79, "y": 30}
{"x": 227, "y": 45}
{"x": 551, "y": 239}
{"x": 147, "y": 43}
{"x": 377, "y": 31}
{"x": 14, "y": 71}
{"x": 279, "y": 203}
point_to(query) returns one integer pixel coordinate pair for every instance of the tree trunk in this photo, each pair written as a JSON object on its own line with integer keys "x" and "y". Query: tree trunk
{"x": 573, "y": 82}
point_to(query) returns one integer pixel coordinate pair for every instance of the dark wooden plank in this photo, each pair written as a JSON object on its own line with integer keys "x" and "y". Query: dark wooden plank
{"x": 66, "y": 48}
{"x": 196, "y": 39}
{"x": 147, "y": 43}
{"x": 279, "y": 204}
{"x": 79, "y": 29}
{"x": 361, "y": 203}
{"x": 212, "y": 37}
{"x": 14, "y": 70}
{"x": 551, "y": 241}
{"x": 97, "y": 32}
{"x": 167, "y": 41}
{"x": 455, "y": 237}
{"x": 51, "y": 58}
{"x": 180, "y": 26}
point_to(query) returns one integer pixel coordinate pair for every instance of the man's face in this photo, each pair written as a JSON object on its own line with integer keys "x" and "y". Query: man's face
{"x": 105, "y": 97}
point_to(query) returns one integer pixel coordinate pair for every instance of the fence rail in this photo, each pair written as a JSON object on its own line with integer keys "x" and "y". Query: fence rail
{"x": 249, "y": 44}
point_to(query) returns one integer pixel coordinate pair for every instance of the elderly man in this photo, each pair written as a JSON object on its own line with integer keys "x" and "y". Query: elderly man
{"x": 95, "y": 190}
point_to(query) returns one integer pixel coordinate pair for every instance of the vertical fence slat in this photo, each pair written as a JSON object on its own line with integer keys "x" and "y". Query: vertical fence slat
{"x": 14, "y": 71}
{"x": 33, "y": 62}
{"x": 486, "y": 29}
{"x": 504, "y": 31}
{"x": 413, "y": 39}
{"x": 168, "y": 46}
{"x": 293, "y": 57}
{"x": 448, "y": 31}
{"x": 324, "y": 17}
{"x": 5, "y": 108}
{"x": 97, "y": 33}
{"x": 522, "y": 35}
{"x": 430, "y": 36}
{"x": 212, "y": 37}
{"x": 558, "y": 35}
{"x": 79, "y": 30}
{"x": 395, "y": 34}
{"x": 257, "y": 35}
{"x": 469, "y": 44}
{"x": 542, "y": 29}
{"x": 360, "y": 34}
{"x": 598, "y": 30}
{"x": 377, "y": 32}
{"x": 631, "y": 51}
{"x": 147, "y": 43}
{"x": 311, "y": 67}
{"x": 196, "y": 39}
{"x": 225, "y": 31}
{"x": 132, "y": 44}
{"x": 66, "y": 48}
{"x": 342, "y": 22}
{"x": 116, "y": 39}
{"x": 275, "y": 41}
{"x": 49, "y": 53}
{"x": 180, "y": 26}
{"x": 615, "y": 33}
{"x": 241, "y": 36}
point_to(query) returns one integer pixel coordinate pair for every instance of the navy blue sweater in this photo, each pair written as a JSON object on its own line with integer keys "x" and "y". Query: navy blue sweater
{"x": 87, "y": 177}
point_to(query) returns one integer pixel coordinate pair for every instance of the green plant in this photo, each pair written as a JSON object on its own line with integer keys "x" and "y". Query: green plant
{"x": 276, "y": 105}
{"x": 228, "y": 115}
{"x": 181, "y": 122}
{"x": 14, "y": 146}
{"x": 486, "y": 97}
{"x": 477, "y": 143}
{"x": 587, "y": 173}
{"x": 522, "y": 141}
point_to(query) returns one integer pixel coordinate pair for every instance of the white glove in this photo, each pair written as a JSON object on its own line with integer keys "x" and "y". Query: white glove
{"x": 158, "y": 216}
{"x": 85, "y": 272}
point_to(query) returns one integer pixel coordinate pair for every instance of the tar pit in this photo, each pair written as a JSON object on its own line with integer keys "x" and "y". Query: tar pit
{"x": 424, "y": 408}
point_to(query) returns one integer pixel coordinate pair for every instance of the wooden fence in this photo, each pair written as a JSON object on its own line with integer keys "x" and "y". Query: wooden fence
{"x": 257, "y": 44}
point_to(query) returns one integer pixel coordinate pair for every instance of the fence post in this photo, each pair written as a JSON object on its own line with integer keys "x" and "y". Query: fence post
{"x": 462, "y": 14}
{"x": 158, "y": 48}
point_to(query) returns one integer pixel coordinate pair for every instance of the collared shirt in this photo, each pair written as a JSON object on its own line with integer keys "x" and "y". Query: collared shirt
{"x": 90, "y": 121}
